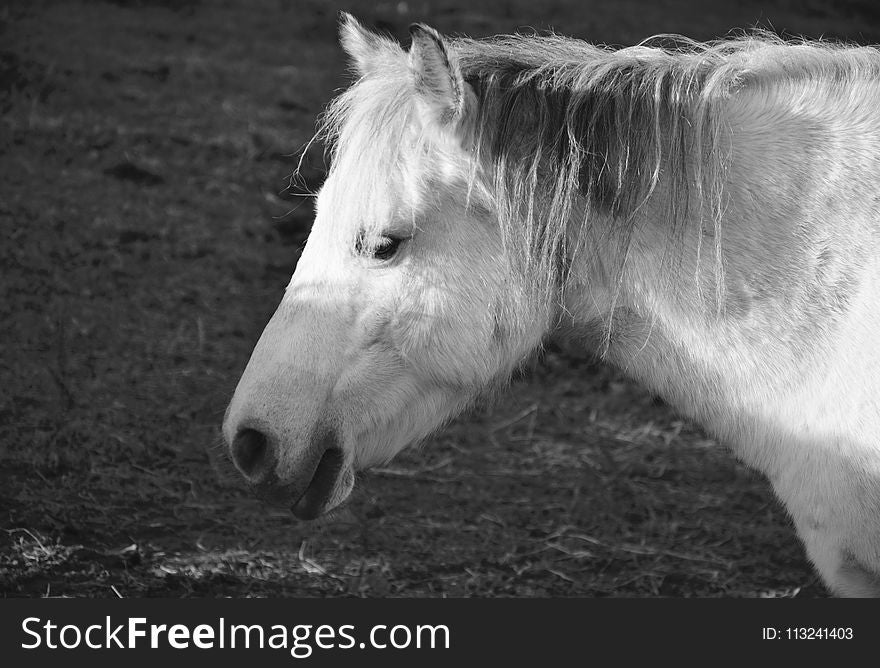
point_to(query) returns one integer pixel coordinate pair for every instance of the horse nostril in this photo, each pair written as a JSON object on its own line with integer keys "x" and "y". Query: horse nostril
{"x": 251, "y": 454}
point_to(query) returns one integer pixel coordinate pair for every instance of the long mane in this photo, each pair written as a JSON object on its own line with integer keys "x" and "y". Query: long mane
{"x": 570, "y": 133}
{"x": 563, "y": 121}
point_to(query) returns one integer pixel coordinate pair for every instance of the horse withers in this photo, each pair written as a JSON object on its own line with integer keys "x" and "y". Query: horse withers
{"x": 702, "y": 215}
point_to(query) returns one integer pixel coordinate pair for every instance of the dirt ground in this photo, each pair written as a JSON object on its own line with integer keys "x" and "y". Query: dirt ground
{"x": 147, "y": 232}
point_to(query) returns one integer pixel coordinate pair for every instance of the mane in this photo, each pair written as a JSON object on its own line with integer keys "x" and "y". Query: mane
{"x": 570, "y": 134}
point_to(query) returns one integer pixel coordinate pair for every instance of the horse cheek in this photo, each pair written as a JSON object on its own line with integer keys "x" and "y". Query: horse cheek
{"x": 444, "y": 349}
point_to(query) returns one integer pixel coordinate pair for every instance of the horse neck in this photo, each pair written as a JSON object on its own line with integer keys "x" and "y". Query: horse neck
{"x": 647, "y": 305}
{"x": 654, "y": 270}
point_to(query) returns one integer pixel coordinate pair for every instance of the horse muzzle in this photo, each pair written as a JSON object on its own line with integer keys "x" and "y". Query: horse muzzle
{"x": 311, "y": 482}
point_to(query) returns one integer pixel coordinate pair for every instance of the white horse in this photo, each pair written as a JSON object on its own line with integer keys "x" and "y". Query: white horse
{"x": 704, "y": 216}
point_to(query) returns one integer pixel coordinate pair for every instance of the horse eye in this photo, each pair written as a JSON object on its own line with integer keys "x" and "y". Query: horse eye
{"x": 384, "y": 250}
{"x": 387, "y": 248}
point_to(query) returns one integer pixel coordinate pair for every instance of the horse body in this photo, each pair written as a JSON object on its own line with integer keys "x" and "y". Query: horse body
{"x": 786, "y": 371}
{"x": 705, "y": 219}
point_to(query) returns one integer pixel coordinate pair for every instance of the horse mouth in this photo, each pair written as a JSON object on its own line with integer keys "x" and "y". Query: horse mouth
{"x": 331, "y": 484}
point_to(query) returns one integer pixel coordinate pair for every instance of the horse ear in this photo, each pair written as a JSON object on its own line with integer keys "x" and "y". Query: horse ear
{"x": 437, "y": 76}
{"x": 363, "y": 47}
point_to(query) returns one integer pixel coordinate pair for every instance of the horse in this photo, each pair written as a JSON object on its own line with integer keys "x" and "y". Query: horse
{"x": 705, "y": 216}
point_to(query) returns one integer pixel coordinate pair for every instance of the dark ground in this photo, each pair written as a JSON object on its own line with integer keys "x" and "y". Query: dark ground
{"x": 147, "y": 235}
